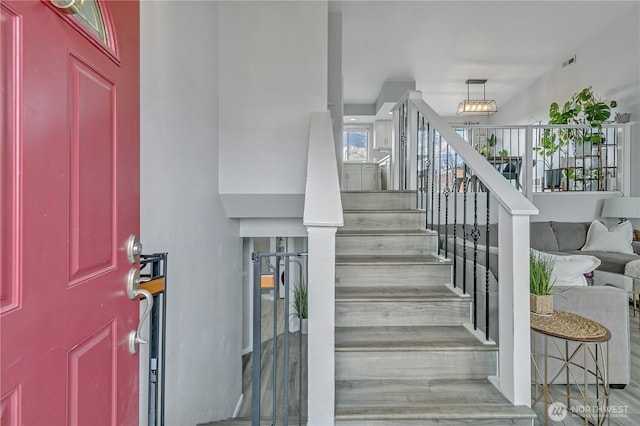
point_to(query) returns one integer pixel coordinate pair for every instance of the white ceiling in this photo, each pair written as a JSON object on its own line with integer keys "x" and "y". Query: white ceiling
{"x": 441, "y": 44}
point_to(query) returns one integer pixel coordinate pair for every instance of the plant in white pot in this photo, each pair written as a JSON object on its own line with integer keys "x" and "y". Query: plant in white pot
{"x": 300, "y": 305}
{"x": 540, "y": 284}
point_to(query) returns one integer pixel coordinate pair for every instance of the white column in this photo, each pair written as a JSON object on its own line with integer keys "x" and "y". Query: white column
{"x": 624, "y": 161}
{"x": 514, "y": 363}
{"x": 321, "y": 339}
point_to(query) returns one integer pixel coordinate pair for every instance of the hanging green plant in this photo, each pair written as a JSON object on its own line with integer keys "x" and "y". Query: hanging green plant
{"x": 583, "y": 108}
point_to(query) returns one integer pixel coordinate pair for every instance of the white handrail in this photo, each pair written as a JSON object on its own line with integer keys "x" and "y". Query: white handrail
{"x": 504, "y": 192}
{"x": 322, "y": 203}
{"x": 514, "y": 209}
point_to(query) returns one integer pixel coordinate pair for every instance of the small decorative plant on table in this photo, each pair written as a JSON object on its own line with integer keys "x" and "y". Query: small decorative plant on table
{"x": 540, "y": 284}
{"x": 300, "y": 305}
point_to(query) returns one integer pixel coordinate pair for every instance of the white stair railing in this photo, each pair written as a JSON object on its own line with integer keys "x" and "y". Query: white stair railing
{"x": 413, "y": 116}
{"x": 322, "y": 217}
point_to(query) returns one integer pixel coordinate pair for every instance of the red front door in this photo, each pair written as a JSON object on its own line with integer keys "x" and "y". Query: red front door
{"x": 70, "y": 198}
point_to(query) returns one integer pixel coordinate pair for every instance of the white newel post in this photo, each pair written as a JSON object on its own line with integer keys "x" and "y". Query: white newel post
{"x": 321, "y": 342}
{"x": 514, "y": 363}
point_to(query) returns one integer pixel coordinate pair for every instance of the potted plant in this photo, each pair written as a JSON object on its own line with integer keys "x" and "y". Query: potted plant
{"x": 300, "y": 305}
{"x": 583, "y": 108}
{"x": 488, "y": 147}
{"x": 540, "y": 300}
{"x": 586, "y": 108}
{"x": 550, "y": 143}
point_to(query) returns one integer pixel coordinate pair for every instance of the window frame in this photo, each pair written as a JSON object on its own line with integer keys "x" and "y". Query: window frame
{"x": 368, "y": 128}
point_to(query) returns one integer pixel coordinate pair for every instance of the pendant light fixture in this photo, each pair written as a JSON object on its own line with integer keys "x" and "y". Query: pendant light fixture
{"x": 482, "y": 106}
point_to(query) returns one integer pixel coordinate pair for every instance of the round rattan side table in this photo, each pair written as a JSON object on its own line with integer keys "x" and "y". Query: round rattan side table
{"x": 569, "y": 364}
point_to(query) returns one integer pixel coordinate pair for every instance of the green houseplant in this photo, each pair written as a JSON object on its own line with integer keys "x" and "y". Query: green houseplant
{"x": 540, "y": 284}
{"x": 301, "y": 305}
{"x": 551, "y": 142}
{"x": 583, "y": 108}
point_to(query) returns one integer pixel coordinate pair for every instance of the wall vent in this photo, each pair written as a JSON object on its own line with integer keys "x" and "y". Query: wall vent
{"x": 570, "y": 61}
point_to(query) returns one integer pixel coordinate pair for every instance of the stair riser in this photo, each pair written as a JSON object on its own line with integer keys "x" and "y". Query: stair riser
{"x": 415, "y": 365}
{"x": 378, "y": 200}
{"x": 436, "y": 422}
{"x": 382, "y": 221}
{"x": 385, "y": 245}
{"x": 392, "y": 275}
{"x": 357, "y": 314}
{"x": 407, "y": 393}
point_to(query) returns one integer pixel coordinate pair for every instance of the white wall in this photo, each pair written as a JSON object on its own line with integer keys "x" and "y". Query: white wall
{"x": 610, "y": 62}
{"x": 335, "y": 81}
{"x": 569, "y": 206}
{"x": 272, "y": 75}
{"x": 181, "y": 212}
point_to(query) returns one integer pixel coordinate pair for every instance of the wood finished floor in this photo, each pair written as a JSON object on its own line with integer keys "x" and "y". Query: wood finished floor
{"x": 627, "y": 399}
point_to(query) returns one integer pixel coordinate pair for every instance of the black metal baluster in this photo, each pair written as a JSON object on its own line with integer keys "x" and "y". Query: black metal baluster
{"x": 486, "y": 273}
{"x": 432, "y": 145}
{"x": 455, "y": 220}
{"x": 464, "y": 230}
{"x": 439, "y": 186}
{"x": 447, "y": 192}
{"x": 419, "y": 167}
{"x": 403, "y": 145}
{"x": 475, "y": 234}
{"x": 420, "y": 201}
{"x": 427, "y": 170}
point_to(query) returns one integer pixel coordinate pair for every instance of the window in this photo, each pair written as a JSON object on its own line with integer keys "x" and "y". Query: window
{"x": 90, "y": 16}
{"x": 87, "y": 13}
{"x": 355, "y": 144}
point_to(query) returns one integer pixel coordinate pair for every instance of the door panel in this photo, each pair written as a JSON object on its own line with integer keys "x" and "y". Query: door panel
{"x": 92, "y": 179}
{"x": 70, "y": 199}
{"x": 91, "y": 394}
{"x": 10, "y": 39}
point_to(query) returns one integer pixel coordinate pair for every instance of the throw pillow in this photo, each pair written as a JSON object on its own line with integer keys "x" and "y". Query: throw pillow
{"x": 616, "y": 240}
{"x": 568, "y": 271}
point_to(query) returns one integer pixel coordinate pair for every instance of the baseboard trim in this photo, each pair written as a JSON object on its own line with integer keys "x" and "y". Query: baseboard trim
{"x": 238, "y": 406}
{"x": 495, "y": 381}
{"x": 479, "y": 335}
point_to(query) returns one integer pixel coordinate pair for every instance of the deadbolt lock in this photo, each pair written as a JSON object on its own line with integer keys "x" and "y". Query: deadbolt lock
{"x": 134, "y": 248}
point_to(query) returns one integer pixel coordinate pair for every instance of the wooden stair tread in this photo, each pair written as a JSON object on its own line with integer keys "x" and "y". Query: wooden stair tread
{"x": 383, "y": 211}
{"x": 397, "y": 294}
{"x": 378, "y": 191}
{"x": 423, "y": 392}
{"x": 427, "y": 259}
{"x": 407, "y": 338}
{"x": 386, "y": 232}
{"x": 424, "y": 399}
{"x": 451, "y": 411}
{"x": 246, "y": 421}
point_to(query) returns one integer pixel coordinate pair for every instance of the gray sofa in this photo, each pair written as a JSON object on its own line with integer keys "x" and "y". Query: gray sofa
{"x": 569, "y": 237}
{"x": 605, "y": 304}
{"x": 550, "y": 237}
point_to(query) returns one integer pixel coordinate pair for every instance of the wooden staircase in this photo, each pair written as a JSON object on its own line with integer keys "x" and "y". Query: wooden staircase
{"x": 403, "y": 355}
